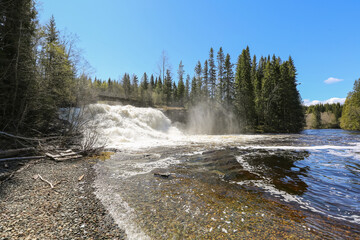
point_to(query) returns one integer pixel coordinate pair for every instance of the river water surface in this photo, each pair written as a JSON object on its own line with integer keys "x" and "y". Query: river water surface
{"x": 164, "y": 184}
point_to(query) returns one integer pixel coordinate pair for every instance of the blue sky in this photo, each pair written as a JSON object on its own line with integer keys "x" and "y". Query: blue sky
{"x": 116, "y": 36}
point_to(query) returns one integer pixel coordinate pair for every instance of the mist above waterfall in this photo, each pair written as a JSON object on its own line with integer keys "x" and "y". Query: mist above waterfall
{"x": 211, "y": 118}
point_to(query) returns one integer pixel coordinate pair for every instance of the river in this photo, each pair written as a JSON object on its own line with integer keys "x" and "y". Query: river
{"x": 168, "y": 184}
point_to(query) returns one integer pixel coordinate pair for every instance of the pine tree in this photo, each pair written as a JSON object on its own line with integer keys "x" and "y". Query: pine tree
{"x": 18, "y": 85}
{"x": 270, "y": 94}
{"x": 205, "y": 88}
{"x": 198, "y": 74}
{"x": 135, "y": 87}
{"x": 174, "y": 94}
{"x": 145, "y": 82}
{"x": 181, "y": 86}
{"x": 244, "y": 96}
{"x": 126, "y": 85}
{"x": 212, "y": 75}
{"x": 194, "y": 91}
{"x": 258, "y": 79}
{"x": 350, "y": 119}
{"x": 187, "y": 88}
{"x": 294, "y": 118}
{"x": 228, "y": 86}
{"x": 220, "y": 82}
{"x": 167, "y": 87}
{"x": 59, "y": 71}
{"x": 152, "y": 82}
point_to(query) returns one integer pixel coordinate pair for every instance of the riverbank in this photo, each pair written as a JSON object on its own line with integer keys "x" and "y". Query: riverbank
{"x": 31, "y": 209}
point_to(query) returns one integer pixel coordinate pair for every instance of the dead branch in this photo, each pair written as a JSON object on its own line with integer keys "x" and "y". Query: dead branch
{"x": 25, "y": 138}
{"x": 22, "y": 158}
{"x": 51, "y": 185}
{"x": 14, "y": 152}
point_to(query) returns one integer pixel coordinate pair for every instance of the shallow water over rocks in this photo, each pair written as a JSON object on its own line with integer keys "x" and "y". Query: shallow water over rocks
{"x": 272, "y": 186}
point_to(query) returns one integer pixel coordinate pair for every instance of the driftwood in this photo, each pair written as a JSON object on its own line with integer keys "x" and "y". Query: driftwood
{"x": 16, "y": 152}
{"x": 21, "y": 158}
{"x": 65, "y": 155}
{"x": 51, "y": 185}
{"x": 26, "y": 138}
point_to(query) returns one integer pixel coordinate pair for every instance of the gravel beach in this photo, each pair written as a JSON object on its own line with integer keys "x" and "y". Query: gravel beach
{"x": 31, "y": 209}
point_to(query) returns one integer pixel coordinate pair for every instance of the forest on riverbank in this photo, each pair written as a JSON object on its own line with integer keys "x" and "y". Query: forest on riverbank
{"x": 41, "y": 71}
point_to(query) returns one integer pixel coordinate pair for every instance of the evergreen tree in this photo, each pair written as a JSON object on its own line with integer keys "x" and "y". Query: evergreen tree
{"x": 194, "y": 92}
{"x": 145, "y": 82}
{"x": 187, "y": 88}
{"x": 174, "y": 94}
{"x": 18, "y": 85}
{"x": 228, "y": 86}
{"x": 126, "y": 85}
{"x": 350, "y": 119}
{"x": 270, "y": 94}
{"x": 59, "y": 71}
{"x": 244, "y": 96}
{"x": 205, "y": 90}
{"x": 135, "y": 87}
{"x": 293, "y": 119}
{"x": 167, "y": 87}
{"x": 181, "y": 85}
{"x": 257, "y": 81}
{"x": 212, "y": 75}
{"x": 198, "y": 73}
{"x": 152, "y": 82}
{"x": 220, "y": 83}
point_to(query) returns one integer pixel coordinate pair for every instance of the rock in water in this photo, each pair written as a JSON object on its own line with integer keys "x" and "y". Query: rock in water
{"x": 163, "y": 175}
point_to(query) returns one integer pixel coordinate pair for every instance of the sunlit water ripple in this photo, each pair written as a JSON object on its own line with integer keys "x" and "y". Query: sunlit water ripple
{"x": 236, "y": 186}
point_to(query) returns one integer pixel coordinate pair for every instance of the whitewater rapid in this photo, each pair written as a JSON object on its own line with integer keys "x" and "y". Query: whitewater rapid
{"x": 149, "y": 141}
{"x": 133, "y": 128}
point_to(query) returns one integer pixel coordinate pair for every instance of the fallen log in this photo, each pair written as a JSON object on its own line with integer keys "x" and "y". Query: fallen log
{"x": 26, "y": 138}
{"x": 22, "y": 158}
{"x": 15, "y": 152}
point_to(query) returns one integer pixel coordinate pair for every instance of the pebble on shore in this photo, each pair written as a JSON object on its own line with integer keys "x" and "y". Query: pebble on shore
{"x": 31, "y": 209}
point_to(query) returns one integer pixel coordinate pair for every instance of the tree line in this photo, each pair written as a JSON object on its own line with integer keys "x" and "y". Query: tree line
{"x": 262, "y": 93}
{"x": 323, "y": 115}
{"x": 38, "y": 70}
{"x": 39, "y": 75}
{"x": 350, "y": 119}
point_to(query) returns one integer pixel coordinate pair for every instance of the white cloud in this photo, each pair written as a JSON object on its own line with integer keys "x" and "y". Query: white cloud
{"x": 332, "y": 80}
{"x": 307, "y": 102}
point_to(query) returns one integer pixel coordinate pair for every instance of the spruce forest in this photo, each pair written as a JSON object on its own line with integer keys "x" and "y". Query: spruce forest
{"x": 41, "y": 72}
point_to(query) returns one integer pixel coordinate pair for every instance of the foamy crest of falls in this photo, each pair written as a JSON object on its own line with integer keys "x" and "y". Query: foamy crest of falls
{"x": 119, "y": 126}
{"x": 129, "y": 127}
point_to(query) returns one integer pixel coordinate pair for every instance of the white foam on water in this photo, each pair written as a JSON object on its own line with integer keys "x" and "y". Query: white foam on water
{"x": 320, "y": 147}
{"x": 138, "y": 168}
{"x": 268, "y": 187}
{"x": 121, "y": 212}
{"x": 131, "y": 129}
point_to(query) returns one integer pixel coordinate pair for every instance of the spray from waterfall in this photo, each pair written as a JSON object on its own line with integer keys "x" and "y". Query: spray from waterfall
{"x": 211, "y": 118}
